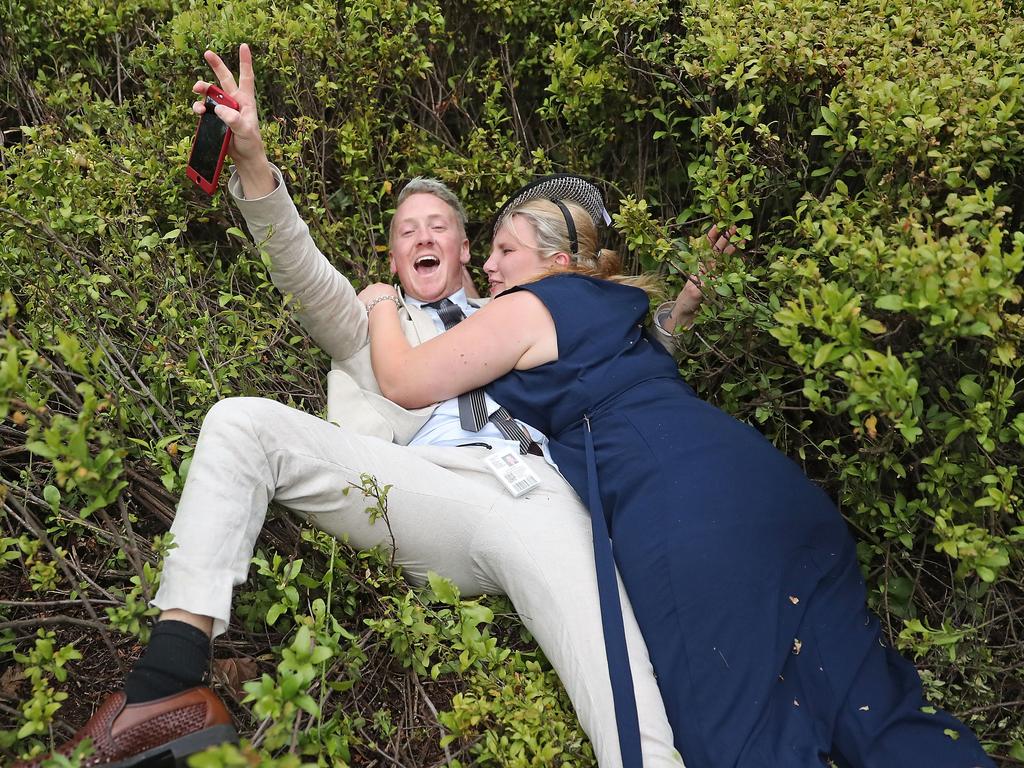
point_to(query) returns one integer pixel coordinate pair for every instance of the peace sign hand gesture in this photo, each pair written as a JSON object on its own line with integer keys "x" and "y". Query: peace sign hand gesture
{"x": 246, "y": 146}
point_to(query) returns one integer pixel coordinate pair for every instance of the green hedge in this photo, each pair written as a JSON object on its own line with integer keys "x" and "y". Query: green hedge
{"x": 871, "y": 152}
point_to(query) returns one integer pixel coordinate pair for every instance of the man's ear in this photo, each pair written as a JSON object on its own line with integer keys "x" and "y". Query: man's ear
{"x": 394, "y": 268}
{"x": 562, "y": 259}
{"x": 464, "y": 252}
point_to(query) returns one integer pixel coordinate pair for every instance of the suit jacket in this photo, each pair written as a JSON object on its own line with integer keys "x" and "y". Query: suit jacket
{"x": 329, "y": 310}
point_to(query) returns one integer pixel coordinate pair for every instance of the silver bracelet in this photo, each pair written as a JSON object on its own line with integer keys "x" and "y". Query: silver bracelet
{"x": 379, "y": 299}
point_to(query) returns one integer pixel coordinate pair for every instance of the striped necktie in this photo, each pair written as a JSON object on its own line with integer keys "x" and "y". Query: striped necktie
{"x": 473, "y": 405}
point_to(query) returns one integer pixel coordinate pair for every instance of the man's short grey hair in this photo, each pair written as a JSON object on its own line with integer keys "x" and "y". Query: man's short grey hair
{"x": 440, "y": 190}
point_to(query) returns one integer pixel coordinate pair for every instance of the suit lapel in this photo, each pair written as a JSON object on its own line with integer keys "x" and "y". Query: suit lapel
{"x": 419, "y": 326}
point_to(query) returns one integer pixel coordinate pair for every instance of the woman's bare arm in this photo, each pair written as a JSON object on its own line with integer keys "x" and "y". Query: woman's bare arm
{"x": 515, "y": 331}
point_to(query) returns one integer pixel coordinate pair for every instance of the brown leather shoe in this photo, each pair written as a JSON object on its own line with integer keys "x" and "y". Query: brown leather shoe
{"x": 156, "y": 732}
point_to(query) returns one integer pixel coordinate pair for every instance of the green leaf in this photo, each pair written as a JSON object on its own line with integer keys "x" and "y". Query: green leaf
{"x": 890, "y": 302}
{"x": 275, "y": 613}
{"x": 40, "y": 448}
{"x": 52, "y": 496}
{"x": 474, "y": 613}
{"x": 970, "y": 388}
{"x": 821, "y": 356}
{"x": 444, "y": 590}
{"x": 830, "y": 117}
{"x": 307, "y": 704}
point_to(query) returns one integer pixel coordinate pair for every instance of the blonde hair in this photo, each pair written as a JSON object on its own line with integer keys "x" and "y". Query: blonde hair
{"x": 552, "y": 235}
{"x": 422, "y": 185}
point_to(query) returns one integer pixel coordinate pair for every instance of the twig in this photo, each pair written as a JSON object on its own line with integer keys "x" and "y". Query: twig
{"x": 46, "y": 621}
{"x": 206, "y": 365}
{"x": 132, "y": 547}
{"x": 51, "y": 603}
{"x": 373, "y": 745}
{"x": 29, "y": 521}
{"x": 506, "y": 65}
{"x": 257, "y": 737}
{"x": 117, "y": 54}
{"x": 433, "y": 711}
{"x": 109, "y": 347}
{"x": 987, "y": 707}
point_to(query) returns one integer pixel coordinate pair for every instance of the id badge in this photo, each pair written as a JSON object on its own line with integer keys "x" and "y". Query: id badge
{"x": 512, "y": 472}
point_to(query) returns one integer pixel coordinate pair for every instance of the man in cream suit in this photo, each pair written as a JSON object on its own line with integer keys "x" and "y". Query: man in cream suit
{"x": 446, "y": 512}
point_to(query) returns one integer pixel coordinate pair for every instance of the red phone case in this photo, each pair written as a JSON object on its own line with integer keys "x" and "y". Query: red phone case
{"x": 210, "y": 185}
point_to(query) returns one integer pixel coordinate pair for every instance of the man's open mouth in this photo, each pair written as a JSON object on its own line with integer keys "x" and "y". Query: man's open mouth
{"x": 426, "y": 264}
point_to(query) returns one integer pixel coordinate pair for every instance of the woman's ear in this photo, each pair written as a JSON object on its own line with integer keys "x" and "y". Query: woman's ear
{"x": 562, "y": 259}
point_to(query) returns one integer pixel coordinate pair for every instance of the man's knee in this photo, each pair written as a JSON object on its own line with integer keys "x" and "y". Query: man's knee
{"x": 540, "y": 555}
{"x": 235, "y": 417}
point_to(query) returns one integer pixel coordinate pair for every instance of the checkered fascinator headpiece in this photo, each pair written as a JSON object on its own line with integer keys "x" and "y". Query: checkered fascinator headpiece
{"x": 556, "y": 188}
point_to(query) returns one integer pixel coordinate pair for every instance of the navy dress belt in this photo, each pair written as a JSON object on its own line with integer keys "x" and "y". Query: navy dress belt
{"x": 626, "y": 720}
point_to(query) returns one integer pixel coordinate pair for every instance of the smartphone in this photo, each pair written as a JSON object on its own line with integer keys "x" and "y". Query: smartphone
{"x": 210, "y": 143}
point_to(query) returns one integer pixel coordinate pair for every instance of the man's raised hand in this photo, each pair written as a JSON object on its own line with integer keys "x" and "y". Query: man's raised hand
{"x": 246, "y": 147}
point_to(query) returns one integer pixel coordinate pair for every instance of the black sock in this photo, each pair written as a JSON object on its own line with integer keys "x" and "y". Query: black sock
{"x": 175, "y": 660}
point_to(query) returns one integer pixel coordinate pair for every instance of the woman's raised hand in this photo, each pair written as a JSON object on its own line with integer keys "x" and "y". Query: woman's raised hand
{"x": 690, "y": 297}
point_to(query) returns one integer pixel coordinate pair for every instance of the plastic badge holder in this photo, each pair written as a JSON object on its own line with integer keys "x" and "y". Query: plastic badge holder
{"x": 510, "y": 469}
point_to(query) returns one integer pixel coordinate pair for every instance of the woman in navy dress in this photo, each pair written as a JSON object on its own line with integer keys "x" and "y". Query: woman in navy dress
{"x": 742, "y": 573}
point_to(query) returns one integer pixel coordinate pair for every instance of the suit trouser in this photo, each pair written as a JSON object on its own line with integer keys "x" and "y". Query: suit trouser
{"x": 447, "y": 514}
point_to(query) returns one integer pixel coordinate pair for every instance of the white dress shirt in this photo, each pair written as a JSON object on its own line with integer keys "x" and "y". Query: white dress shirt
{"x": 444, "y": 426}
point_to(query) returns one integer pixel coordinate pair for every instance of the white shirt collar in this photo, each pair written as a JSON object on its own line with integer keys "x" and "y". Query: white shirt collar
{"x": 459, "y": 298}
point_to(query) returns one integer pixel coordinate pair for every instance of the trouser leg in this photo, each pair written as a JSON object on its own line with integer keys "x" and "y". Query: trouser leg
{"x": 446, "y": 513}
{"x": 251, "y": 451}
